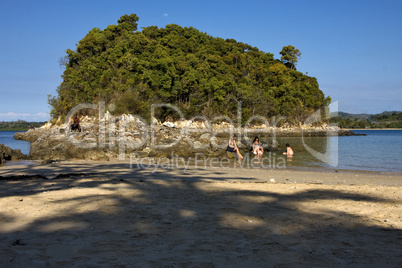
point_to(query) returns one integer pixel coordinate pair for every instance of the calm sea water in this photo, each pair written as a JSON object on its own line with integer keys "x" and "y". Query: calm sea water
{"x": 7, "y": 138}
{"x": 380, "y": 150}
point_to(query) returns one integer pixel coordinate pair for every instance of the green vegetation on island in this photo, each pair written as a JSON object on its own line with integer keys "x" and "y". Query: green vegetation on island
{"x": 19, "y": 125}
{"x": 200, "y": 74}
{"x": 383, "y": 120}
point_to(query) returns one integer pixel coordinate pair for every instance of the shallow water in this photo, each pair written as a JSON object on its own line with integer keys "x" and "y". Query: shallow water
{"x": 380, "y": 150}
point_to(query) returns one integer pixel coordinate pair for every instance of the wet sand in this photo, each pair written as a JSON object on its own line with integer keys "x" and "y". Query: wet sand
{"x": 113, "y": 214}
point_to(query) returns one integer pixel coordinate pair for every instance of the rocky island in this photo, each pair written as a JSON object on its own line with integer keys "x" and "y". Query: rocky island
{"x": 123, "y": 136}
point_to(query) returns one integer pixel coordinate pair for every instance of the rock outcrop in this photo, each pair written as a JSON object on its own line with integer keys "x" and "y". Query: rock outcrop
{"x": 6, "y": 153}
{"x": 128, "y": 136}
{"x": 119, "y": 137}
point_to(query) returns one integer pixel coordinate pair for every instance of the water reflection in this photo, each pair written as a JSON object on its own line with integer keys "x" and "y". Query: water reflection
{"x": 325, "y": 150}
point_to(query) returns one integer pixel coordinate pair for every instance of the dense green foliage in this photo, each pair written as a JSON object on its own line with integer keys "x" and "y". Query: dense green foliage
{"x": 200, "y": 74}
{"x": 290, "y": 56}
{"x": 387, "y": 120}
{"x": 383, "y": 120}
{"x": 19, "y": 125}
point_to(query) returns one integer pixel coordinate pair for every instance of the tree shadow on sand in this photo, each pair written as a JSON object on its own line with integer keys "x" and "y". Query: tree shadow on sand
{"x": 134, "y": 217}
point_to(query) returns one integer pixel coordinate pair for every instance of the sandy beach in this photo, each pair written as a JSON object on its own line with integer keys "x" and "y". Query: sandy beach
{"x": 117, "y": 214}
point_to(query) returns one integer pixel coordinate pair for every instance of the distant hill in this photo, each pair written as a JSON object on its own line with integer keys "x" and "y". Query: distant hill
{"x": 388, "y": 119}
{"x": 354, "y": 116}
{"x": 19, "y": 125}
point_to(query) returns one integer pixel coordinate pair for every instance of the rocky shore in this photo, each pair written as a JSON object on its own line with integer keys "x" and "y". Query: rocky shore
{"x": 112, "y": 137}
{"x": 6, "y": 153}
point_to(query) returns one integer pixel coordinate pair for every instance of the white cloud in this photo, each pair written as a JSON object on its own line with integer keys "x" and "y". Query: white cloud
{"x": 11, "y": 116}
{"x": 165, "y": 14}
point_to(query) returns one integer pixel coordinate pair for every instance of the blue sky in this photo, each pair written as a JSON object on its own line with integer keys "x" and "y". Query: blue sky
{"x": 353, "y": 48}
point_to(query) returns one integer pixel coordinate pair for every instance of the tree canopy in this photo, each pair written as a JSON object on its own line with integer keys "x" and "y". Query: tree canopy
{"x": 290, "y": 56}
{"x": 200, "y": 74}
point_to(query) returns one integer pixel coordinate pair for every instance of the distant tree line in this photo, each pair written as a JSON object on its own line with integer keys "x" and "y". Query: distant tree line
{"x": 383, "y": 120}
{"x": 19, "y": 125}
{"x": 200, "y": 74}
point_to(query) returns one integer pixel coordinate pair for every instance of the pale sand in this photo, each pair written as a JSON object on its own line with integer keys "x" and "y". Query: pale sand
{"x": 105, "y": 214}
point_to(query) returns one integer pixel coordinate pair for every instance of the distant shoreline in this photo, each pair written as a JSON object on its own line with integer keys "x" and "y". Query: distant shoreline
{"x": 351, "y": 129}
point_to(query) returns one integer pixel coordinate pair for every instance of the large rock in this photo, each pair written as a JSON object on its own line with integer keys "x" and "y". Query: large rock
{"x": 110, "y": 137}
{"x": 31, "y": 135}
{"x": 128, "y": 136}
{"x": 6, "y": 153}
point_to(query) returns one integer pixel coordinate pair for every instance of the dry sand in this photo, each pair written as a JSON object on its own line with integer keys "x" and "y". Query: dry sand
{"x": 108, "y": 214}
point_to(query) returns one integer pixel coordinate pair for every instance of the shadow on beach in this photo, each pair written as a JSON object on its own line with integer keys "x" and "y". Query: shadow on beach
{"x": 111, "y": 215}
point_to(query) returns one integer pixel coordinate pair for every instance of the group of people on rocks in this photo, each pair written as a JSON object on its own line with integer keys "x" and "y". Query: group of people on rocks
{"x": 257, "y": 148}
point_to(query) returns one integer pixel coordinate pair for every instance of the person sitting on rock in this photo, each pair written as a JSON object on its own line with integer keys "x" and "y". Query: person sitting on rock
{"x": 257, "y": 147}
{"x": 76, "y": 124}
{"x": 232, "y": 147}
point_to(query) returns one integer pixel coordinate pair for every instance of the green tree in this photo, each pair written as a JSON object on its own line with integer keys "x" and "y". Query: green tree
{"x": 129, "y": 22}
{"x": 290, "y": 56}
{"x": 200, "y": 74}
